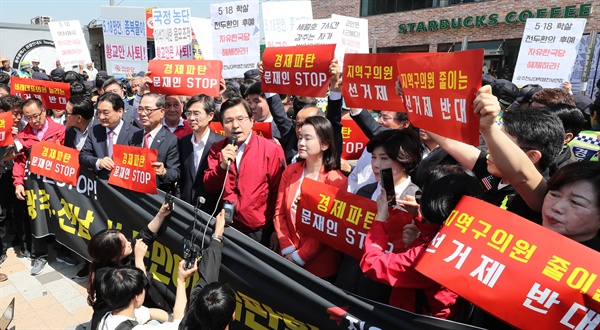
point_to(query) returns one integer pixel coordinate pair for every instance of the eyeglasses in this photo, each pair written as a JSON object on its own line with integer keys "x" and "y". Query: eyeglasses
{"x": 146, "y": 111}
{"x": 384, "y": 118}
{"x": 190, "y": 114}
{"x": 240, "y": 120}
{"x": 34, "y": 117}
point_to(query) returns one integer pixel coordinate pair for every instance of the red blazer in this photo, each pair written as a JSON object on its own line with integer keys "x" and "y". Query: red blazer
{"x": 320, "y": 259}
{"x": 397, "y": 270}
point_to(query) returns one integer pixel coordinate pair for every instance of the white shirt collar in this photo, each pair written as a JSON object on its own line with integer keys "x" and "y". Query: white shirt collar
{"x": 117, "y": 129}
{"x": 180, "y": 124}
{"x": 154, "y": 132}
{"x": 203, "y": 140}
{"x": 243, "y": 146}
{"x": 399, "y": 189}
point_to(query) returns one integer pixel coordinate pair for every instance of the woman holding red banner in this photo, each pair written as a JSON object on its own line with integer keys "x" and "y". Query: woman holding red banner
{"x": 412, "y": 290}
{"x": 318, "y": 160}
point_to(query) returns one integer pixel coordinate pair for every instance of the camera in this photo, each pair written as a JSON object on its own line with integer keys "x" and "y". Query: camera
{"x": 191, "y": 253}
{"x": 169, "y": 201}
{"x": 169, "y": 196}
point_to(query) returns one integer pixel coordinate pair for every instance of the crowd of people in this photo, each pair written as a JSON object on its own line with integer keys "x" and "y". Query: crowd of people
{"x": 524, "y": 164}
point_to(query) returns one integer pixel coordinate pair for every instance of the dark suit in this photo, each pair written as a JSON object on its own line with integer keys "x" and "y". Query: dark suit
{"x": 70, "y": 137}
{"x": 168, "y": 154}
{"x": 191, "y": 181}
{"x": 368, "y": 124}
{"x": 71, "y": 133}
{"x": 96, "y": 147}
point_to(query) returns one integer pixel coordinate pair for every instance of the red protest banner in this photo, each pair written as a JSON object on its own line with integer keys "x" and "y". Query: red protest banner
{"x": 439, "y": 90}
{"x": 54, "y": 95}
{"x": 298, "y": 70}
{"x": 341, "y": 219}
{"x": 353, "y": 139}
{"x": 6, "y": 124}
{"x": 370, "y": 82}
{"x": 486, "y": 255}
{"x": 259, "y": 128}
{"x": 149, "y": 23}
{"x": 55, "y": 161}
{"x": 133, "y": 168}
{"x": 186, "y": 77}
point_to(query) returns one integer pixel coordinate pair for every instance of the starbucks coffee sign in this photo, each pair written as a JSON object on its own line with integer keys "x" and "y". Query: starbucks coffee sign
{"x": 470, "y": 21}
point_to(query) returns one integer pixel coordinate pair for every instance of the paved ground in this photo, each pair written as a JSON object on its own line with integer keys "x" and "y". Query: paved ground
{"x": 54, "y": 299}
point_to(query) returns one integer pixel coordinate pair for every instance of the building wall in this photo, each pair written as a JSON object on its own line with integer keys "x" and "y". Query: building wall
{"x": 385, "y": 27}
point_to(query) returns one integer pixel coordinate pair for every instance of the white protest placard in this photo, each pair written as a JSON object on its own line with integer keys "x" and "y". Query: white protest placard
{"x": 203, "y": 31}
{"x": 70, "y": 43}
{"x": 172, "y": 33}
{"x": 236, "y": 36}
{"x": 548, "y": 51}
{"x": 315, "y": 32}
{"x": 354, "y": 37}
{"x": 125, "y": 45}
{"x": 279, "y": 19}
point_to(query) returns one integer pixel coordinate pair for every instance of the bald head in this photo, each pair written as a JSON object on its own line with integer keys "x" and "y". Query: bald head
{"x": 305, "y": 113}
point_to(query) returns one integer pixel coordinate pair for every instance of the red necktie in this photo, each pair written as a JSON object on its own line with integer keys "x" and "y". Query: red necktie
{"x": 147, "y": 140}
{"x": 110, "y": 135}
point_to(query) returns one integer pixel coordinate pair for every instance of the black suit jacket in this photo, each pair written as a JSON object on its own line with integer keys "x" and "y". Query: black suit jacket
{"x": 70, "y": 135}
{"x": 191, "y": 181}
{"x": 96, "y": 147}
{"x": 368, "y": 124}
{"x": 168, "y": 154}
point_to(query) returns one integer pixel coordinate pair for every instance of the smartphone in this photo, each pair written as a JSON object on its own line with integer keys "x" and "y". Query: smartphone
{"x": 387, "y": 181}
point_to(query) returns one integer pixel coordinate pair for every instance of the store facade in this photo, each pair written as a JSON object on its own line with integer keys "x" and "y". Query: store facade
{"x": 443, "y": 25}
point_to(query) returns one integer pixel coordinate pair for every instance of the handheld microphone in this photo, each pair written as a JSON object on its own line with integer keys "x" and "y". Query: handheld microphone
{"x": 232, "y": 140}
{"x": 199, "y": 202}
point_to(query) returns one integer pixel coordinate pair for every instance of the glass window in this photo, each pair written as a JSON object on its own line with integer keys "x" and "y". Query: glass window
{"x": 377, "y": 7}
{"x": 404, "y": 49}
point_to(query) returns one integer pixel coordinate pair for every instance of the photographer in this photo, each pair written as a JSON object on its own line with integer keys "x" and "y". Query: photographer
{"x": 211, "y": 303}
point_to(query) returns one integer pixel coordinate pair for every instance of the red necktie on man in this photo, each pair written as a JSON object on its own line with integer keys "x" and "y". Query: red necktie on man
{"x": 110, "y": 135}
{"x": 147, "y": 140}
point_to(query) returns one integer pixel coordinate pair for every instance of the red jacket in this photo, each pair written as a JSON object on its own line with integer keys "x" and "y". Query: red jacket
{"x": 397, "y": 270}
{"x": 319, "y": 259}
{"x": 55, "y": 133}
{"x": 181, "y": 131}
{"x": 252, "y": 189}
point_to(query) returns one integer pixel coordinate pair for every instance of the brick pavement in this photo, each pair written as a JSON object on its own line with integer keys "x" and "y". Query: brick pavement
{"x": 54, "y": 299}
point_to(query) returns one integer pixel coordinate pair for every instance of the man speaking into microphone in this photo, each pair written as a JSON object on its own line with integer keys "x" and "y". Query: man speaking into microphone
{"x": 249, "y": 169}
